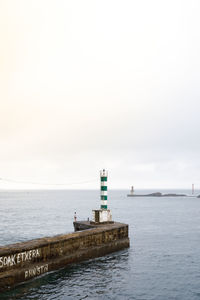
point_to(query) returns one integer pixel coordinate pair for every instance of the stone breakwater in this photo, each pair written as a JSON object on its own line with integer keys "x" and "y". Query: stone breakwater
{"x": 23, "y": 261}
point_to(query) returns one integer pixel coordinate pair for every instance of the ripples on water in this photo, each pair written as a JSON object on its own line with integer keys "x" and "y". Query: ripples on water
{"x": 162, "y": 262}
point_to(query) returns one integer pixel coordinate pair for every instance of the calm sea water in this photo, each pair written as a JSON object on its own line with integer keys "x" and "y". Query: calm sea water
{"x": 163, "y": 261}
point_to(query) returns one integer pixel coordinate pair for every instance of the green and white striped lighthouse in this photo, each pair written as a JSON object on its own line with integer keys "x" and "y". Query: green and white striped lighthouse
{"x": 102, "y": 215}
{"x": 104, "y": 189}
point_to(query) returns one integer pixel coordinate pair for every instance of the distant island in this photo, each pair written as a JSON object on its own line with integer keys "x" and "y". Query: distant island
{"x": 157, "y": 194}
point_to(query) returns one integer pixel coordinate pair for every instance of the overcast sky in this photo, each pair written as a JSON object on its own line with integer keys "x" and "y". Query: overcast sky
{"x": 86, "y": 85}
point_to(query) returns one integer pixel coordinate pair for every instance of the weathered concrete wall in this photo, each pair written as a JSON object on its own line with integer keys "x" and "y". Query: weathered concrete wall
{"x": 83, "y": 225}
{"x": 24, "y": 261}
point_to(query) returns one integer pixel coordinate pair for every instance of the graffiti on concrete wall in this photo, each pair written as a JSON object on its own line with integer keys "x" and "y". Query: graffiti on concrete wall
{"x": 36, "y": 271}
{"x": 17, "y": 258}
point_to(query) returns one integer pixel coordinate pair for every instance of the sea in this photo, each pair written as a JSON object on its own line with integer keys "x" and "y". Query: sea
{"x": 163, "y": 261}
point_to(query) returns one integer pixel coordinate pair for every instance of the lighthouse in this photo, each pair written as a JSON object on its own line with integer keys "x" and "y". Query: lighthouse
{"x": 103, "y": 215}
{"x": 104, "y": 189}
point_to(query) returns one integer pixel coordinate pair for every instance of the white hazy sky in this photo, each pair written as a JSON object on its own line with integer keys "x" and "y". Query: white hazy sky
{"x": 86, "y": 85}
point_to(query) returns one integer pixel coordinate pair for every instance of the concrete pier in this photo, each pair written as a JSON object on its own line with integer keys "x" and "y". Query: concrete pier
{"x": 23, "y": 261}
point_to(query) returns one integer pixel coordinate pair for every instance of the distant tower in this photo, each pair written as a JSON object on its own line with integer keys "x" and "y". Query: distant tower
{"x": 132, "y": 190}
{"x": 193, "y": 189}
{"x": 103, "y": 215}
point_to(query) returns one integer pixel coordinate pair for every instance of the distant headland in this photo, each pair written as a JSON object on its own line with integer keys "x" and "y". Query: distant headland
{"x": 157, "y": 194}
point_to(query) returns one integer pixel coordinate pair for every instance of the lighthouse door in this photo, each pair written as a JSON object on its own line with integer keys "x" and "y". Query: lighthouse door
{"x": 97, "y": 216}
